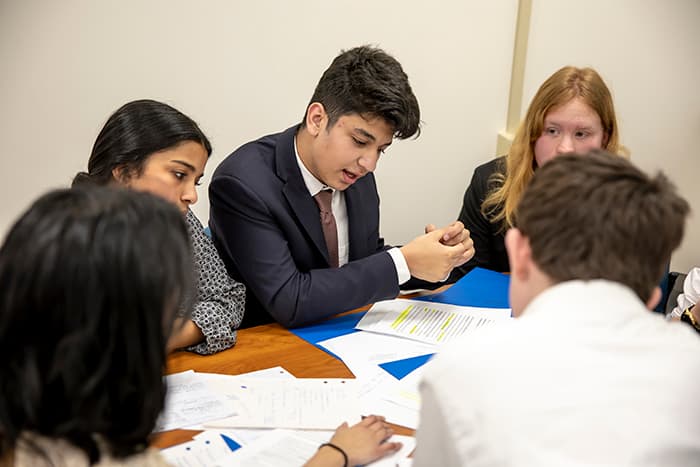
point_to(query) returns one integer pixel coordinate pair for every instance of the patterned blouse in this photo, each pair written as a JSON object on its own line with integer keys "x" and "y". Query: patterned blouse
{"x": 218, "y": 309}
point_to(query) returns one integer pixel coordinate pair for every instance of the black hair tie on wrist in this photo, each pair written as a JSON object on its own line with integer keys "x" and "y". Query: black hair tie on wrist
{"x": 340, "y": 450}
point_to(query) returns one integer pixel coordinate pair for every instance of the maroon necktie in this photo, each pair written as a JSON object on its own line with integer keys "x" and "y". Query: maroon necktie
{"x": 330, "y": 230}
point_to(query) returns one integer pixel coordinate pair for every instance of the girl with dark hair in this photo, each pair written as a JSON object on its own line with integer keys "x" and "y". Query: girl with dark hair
{"x": 89, "y": 301}
{"x": 93, "y": 279}
{"x": 150, "y": 146}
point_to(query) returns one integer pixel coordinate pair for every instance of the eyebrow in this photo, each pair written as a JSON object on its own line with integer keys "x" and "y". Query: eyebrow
{"x": 370, "y": 136}
{"x": 187, "y": 165}
{"x": 556, "y": 123}
{"x": 366, "y": 133}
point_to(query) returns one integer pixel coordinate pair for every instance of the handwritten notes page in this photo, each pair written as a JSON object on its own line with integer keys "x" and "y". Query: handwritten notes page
{"x": 309, "y": 403}
{"x": 190, "y": 401}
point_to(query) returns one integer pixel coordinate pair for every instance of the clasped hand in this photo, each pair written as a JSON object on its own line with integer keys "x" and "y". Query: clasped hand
{"x": 432, "y": 256}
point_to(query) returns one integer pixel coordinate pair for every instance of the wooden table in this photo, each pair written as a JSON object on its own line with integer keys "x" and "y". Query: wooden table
{"x": 258, "y": 348}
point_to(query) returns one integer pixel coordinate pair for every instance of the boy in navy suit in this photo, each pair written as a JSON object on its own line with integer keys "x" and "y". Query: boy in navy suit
{"x": 296, "y": 214}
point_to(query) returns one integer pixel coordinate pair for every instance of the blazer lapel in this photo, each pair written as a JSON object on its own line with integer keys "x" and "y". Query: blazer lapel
{"x": 302, "y": 204}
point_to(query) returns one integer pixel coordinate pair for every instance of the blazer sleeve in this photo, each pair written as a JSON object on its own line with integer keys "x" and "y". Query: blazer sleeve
{"x": 220, "y": 302}
{"x": 480, "y": 228}
{"x": 258, "y": 247}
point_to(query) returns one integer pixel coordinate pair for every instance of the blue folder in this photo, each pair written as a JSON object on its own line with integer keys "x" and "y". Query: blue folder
{"x": 334, "y": 327}
{"x": 400, "y": 368}
{"x": 232, "y": 445}
{"x": 479, "y": 288}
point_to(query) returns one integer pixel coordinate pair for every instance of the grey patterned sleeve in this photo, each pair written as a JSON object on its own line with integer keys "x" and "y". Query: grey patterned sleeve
{"x": 220, "y": 303}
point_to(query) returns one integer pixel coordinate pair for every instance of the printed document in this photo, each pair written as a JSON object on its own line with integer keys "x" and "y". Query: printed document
{"x": 434, "y": 323}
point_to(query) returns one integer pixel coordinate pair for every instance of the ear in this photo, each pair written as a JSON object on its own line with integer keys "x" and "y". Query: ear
{"x": 655, "y": 298}
{"x": 316, "y": 118}
{"x": 121, "y": 174}
{"x": 606, "y": 138}
{"x": 519, "y": 253}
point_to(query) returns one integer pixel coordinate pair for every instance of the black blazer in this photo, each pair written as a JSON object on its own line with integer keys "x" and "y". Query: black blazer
{"x": 489, "y": 244}
{"x": 267, "y": 229}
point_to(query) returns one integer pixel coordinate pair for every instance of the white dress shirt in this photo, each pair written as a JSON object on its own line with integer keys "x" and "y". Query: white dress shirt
{"x": 340, "y": 213}
{"x": 690, "y": 295}
{"x": 580, "y": 379}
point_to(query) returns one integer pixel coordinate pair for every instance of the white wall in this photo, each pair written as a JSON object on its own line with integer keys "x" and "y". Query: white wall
{"x": 648, "y": 52}
{"x": 245, "y": 69}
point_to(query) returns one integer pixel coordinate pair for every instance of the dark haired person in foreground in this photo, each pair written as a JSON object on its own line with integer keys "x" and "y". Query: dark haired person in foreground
{"x": 93, "y": 279}
{"x": 89, "y": 301}
{"x": 295, "y": 215}
{"x": 582, "y": 376}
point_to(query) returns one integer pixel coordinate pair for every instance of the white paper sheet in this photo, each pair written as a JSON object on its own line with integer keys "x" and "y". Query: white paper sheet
{"x": 434, "y": 323}
{"x": 309, "y": 403}
{"x": 228, "y": 385}
{"x": 242, "y": 436}
{"x": 190, "y": 401}
{"x": 204, "y": 450}
{"x": 399, "y": 403}
{"x": 282, "y": 448}
{"x": 275, "y": 372}
{"x": 223, "y": 384}
{"x": 382, "y": 394}
{"x": 362, "y": 351}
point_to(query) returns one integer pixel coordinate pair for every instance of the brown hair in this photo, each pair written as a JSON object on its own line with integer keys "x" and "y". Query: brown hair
{"x": 597, "y": 216}
{"x": 563, "y": 86}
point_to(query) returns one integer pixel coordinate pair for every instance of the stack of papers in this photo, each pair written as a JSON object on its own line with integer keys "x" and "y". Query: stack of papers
{"x": 403, "y": 335}
{"x": 251, "y": 410}
{"x": 282, "y": 448}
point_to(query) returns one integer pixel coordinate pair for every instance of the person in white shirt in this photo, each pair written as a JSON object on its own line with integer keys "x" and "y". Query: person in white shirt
{"x": 691, "y": 292}
{"x": 581, "y": 377}
{"x": 686, "y": 301}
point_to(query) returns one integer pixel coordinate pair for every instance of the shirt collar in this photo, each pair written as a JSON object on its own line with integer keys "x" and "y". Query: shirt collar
{"x": 585, "y": 301}
{"x": 313, "y": 184}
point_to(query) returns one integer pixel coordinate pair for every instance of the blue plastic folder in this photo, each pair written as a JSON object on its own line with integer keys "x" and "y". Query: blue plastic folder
{"x": 232, "y": 445}
{"x": 400, "y": 368}
{"x": 334, "y": 327}
{"x": 479, "y": 288}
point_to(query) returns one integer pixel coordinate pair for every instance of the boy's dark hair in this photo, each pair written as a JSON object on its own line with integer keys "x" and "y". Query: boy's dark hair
{"x": 91, "y": 279}
{"x": 596, "y": 216}
{"x": 369, "y": 82}
{"x": 134, "y": 132}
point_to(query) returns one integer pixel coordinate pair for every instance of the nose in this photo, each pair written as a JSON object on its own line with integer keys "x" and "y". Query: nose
{"x": 565, "y": 145}
{"x": 368, "y": 161}
{"x": 189, "y": 196}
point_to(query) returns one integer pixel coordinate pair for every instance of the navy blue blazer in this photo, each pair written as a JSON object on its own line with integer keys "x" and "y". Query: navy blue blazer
{"x": 266, "y": 226}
